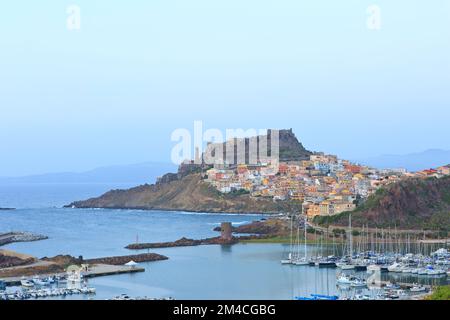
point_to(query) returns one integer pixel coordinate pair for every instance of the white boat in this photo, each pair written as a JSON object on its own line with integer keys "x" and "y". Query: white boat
{"x": 395, "y": 267}
{"x": 40, "y": 282}
{"x": 289, "y": 260}
{"x": 436, "y": 272}
{"x": 301, "y": 262}
{"x": 344, "y": 279}
{"x": 418, "y": 288}
{"x": 373, "y": 268}
{"x": 26, "y": 283}
{"x": 345, "y": 266}
{"x": 407, "y": 270}
{"x": 357, "y": 282}
{"x": 392, "y": 286}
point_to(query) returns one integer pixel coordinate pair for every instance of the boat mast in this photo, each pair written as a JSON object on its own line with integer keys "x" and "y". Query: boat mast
{"x": 350, "y": 235}
{"x": 305, "y": 240}
{"x": 291, "y": 246}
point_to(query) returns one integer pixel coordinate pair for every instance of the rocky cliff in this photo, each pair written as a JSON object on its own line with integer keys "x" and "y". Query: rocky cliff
{"x": 189, "y": 193}
{"x": 186, "y": 191}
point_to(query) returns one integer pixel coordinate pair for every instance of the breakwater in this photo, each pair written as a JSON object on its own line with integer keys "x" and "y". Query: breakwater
{"x": 10, "y": 237}
{"x": 185, "y": 242}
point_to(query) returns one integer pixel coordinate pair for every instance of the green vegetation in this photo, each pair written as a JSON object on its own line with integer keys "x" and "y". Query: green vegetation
{"x": 281, "y": 239}
{"x": 440, "y": 293}
{"x": 239, "y": 192}
{"x": 446, "y": 196}
{"x": 408, "y": 204}
{"x": 329, "y": 220}
{"x": 277, "y": 239}
{"x": 355, "y": 233}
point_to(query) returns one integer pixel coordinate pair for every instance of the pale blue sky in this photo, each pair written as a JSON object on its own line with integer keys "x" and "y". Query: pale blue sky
{"x": 112, "y": 92}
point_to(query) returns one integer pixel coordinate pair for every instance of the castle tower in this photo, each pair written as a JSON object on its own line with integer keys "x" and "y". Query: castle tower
{"x": 226, "y": 231}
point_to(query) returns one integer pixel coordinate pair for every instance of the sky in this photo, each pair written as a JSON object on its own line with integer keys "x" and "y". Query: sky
{"x": 113, "y": 91}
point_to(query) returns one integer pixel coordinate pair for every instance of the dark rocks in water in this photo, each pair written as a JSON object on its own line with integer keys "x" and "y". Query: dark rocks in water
{"x": 66, "y": 260}
{"x": 10, "y": 237}
{"x": 185, "y": 242}
{"x": 121, "y": 260}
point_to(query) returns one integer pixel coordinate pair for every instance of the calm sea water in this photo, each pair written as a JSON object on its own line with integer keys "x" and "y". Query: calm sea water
{"x": 243, "y": 271}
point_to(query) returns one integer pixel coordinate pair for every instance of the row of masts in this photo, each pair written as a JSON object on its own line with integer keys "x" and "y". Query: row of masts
{"x": 375, "y": 240}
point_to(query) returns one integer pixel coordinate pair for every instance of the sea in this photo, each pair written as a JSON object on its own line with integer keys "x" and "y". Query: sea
{"x": 241, "y": 271}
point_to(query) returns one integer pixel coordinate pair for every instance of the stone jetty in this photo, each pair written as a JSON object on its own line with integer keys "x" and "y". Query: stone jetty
{"x": 10, "y": 237}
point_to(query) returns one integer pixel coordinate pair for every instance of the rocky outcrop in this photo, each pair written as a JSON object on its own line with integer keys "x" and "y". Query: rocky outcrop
{"x": 186, "y": 191}
{"x": 409, "y": 204}
{"x": 183, "y": 242}
{"x": 272, "y": 227}
{"x": 121, "y": 260}
{"x": 290, "y": 149}
{"x": 190, "y": 193}
{"x": 7, "y": 261}
{"x": 32, "y": 270}
{"x": 66, "y": 260}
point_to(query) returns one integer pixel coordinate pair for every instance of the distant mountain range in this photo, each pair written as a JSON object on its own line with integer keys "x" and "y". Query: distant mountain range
{"x": 148, "y": 172}
{"x": 140, "y": 173}
{"x": 412, "y": 162}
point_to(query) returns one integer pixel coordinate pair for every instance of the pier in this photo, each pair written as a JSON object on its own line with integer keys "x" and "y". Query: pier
{"x": 97, "y": 270}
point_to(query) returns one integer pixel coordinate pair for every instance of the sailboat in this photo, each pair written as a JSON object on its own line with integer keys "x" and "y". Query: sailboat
{"x": 290, "y": 259}
{"x": 303, "y": 261}
{"x": 345, "y": 264}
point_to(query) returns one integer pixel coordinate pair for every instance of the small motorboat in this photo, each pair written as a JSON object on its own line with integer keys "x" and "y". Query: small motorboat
{"x": 40, "y": 282}
{"x": 26, "y": 283}
{"x": 344, "y": 279}
{"x": 395, "y": 267}
{"x": 358, "y": 283}
{"x": 301, "y": 262}
{"x": 418, "y": 288}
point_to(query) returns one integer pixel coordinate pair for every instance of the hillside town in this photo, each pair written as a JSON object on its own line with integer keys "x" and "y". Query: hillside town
{"x": 325, "y": 185}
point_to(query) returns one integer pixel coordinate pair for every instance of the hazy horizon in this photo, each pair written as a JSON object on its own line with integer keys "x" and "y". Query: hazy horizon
{"x": 397, "y": 157}
{"x": 115, "y": 90}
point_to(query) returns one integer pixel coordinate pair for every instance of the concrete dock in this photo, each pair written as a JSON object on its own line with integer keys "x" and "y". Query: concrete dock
{"x": 96, "y": 270}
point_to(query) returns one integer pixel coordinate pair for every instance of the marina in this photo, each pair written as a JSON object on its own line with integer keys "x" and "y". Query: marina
{"x": 93, "y": 271}
{"x": 374, "y": 256}
{"x": 240, "y": 271}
